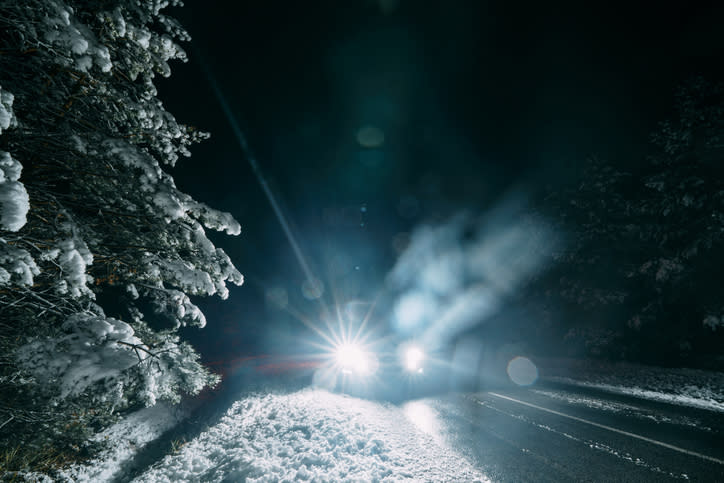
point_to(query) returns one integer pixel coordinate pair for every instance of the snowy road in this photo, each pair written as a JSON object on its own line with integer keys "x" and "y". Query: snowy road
{"x": 546, "y": 433}
{"x": 554, "y": 434}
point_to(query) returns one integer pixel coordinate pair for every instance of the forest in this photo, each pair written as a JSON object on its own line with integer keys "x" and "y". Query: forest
{"x": 92, "y": 223}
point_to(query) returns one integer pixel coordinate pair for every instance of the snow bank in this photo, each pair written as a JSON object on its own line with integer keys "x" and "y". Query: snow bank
{"x": 126, "y": 438}
{"x": 314, "y": 435}
{"x": 688, "y": 387}
{"x": 618, "y": 407}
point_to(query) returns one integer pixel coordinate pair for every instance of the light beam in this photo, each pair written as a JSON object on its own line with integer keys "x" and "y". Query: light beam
{"x": 244, "y": 145}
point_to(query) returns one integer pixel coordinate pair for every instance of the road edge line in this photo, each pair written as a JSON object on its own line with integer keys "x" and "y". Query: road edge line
{"x": 609, "y": 428}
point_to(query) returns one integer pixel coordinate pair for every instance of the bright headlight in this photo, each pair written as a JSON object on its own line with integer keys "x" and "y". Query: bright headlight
{"x": 352, "y": 359}
{"x": 413, "y": 357}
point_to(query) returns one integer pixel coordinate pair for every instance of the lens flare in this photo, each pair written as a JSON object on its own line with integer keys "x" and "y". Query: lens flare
{"x": 353, "y": 360}
{"x": 370, "y": 137}
{"x": 522, "y": 371}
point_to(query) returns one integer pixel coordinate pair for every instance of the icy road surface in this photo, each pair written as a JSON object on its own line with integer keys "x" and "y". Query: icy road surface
{"x": 546, "y": 433}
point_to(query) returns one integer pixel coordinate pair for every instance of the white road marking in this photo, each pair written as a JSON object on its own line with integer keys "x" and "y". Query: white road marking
{"x": 592, "y": 444}
{"x": 609, "y": 428}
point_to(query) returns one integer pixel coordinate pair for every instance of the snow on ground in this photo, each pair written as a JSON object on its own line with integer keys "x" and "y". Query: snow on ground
{"x": 126, "y": 438}
{"x": 622, "y": 408}
{"x": 688, "y": 387}
{"x": 315, "y": 435}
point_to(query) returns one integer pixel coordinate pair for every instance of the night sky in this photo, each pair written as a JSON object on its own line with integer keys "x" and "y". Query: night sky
{"x": 474, "y": 99}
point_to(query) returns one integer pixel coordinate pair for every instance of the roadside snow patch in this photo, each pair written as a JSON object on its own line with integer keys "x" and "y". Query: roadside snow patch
{"x": 622, "y": 408}
{"x": 687, "y": 387}
{"x": 126, "y": 438}
{"x": 313, "y": 435}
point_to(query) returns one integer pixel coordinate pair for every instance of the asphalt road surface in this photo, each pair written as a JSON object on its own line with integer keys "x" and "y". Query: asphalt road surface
{"x": 559, "y": 433}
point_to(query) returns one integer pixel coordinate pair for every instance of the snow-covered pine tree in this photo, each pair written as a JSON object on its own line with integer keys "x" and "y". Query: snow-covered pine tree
{"x": 683, "y": 208}
{"x": 647, "y": 243}
{"x": 89, "y": 214}
{"x": 585, "y": 287}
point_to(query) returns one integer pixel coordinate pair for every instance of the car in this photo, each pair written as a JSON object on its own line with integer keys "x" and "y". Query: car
{"x": 391, "y": 370}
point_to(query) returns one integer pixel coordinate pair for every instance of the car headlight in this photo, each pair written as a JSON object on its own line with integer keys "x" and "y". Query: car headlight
{"x": 351, "y": 359}
{"x": 413, "y": 358}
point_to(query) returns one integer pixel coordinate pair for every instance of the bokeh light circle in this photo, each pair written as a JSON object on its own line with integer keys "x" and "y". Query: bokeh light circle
{"x": 522, "y": 371}
{"x": 277, "y": 297}
{"x": 312, "y": 289}
{"x": 370, "y": 137}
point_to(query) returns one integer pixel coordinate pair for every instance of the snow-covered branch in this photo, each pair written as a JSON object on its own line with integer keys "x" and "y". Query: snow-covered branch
{"x": 89, "y": 213}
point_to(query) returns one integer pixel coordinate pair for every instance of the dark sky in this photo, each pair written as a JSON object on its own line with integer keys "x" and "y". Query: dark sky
{"x": 474, "y": 99}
